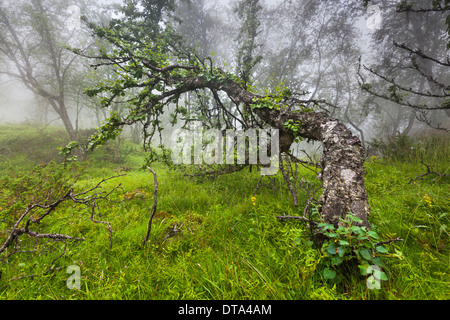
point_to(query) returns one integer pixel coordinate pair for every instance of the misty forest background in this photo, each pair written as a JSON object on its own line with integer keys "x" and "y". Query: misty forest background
{"x": 382, "y": 71}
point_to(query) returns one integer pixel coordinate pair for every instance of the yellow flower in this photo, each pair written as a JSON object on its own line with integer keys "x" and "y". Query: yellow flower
{"x": 428, "y": 200}
{"x": 373, "y": 157}
{"x": 253, "y": 200}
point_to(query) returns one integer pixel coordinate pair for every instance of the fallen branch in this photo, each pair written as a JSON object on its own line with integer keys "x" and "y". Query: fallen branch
{"x": 52, "y": 236}
{"x": 387, "y": 241}
{"x": 429, "y": 172}
{"x": 216, "y": 172}
{"x": 28, "y": 220}
{"x": 155, "y": 204}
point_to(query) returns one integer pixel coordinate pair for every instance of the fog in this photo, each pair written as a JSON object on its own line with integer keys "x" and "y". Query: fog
{"x": 310, "y": 46}
{"x": 16, "y": 102}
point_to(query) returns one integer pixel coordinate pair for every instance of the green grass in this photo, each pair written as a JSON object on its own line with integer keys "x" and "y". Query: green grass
{"x": 228, "y": 248}
{"x": 400, "y": 209}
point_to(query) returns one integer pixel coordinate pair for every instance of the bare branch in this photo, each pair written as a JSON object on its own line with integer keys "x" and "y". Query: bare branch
{"x": 419, "y": 53}
{"x": 411, "y": 90}
{"x": 168, "y": 68}
{"x": 428, "y": 173}
{"x": 90, "y": 201}
{"x": 155, "y": 203}
{"x": 104, "y": 222}
{"x": 387, "y": 241}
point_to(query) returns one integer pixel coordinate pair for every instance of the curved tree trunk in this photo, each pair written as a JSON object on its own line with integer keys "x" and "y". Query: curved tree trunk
{"x": 342, "y": 163}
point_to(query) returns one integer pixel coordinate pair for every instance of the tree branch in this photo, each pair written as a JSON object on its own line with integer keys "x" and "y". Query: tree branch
{"x": 155, "y": 204}
{"x": 91, "y": 201}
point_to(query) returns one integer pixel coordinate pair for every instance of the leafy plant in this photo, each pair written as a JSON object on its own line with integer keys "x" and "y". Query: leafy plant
{"x": 295, "y": 127}
{"x": 351, "y": 242}
{"x": 273, "y": 99}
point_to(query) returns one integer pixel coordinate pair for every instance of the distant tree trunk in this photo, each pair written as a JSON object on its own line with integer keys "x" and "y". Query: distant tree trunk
{"x": 412, "y": 117}
{"x": 68, "y": 124}
{"x": 117, "y": 158}
{"x": 61, "y": 110}
{"x": 347, "y": 117}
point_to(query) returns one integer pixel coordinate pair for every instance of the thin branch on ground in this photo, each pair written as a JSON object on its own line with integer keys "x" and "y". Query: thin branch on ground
{"x": 155, "y": 204}
{"x": 104, "y": 222}
{"x": 289, "y": 183}
{"x": 387, "y": 241}
{"x": 28, "y": 220}
{"x": 428, "y": 173}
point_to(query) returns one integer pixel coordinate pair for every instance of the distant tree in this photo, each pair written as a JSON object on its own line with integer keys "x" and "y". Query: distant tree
{"x": 205, "y": 33}
{"x": 413, "y": 65}
{"x": 248, "y": 12}
{"x": 313, "y": 47}
{"x": 33, "y": 39}
{"x": 203, "y": 26}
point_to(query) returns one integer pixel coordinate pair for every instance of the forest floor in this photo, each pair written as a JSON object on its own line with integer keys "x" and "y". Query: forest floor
{"x": 212, "y": 238}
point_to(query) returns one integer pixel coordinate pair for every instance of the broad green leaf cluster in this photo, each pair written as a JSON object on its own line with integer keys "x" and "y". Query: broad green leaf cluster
{"x": 351, "y": 242}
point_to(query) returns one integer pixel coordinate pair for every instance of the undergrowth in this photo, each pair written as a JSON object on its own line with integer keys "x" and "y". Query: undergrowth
{"x": 219, "y": 238}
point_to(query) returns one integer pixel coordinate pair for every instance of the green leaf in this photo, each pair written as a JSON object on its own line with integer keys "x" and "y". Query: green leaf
{"x": 368, "y": 244}
{"x": 336, "y": 260}
{"x": 341, "y": 251}
{"x": 365, "y": 254}
{"x": 331, "y": 234}
{"x": 329, "y": 274}
{"x": 378, "y": 261}
{"x": 357, "y": 220}
{"x": 383, "y": 276}
{"x": 356, "y": 229}
{"x": 362, "y": 269}
{"x": 373, "y": 234}
{"x": 331, "y": 249}
{"x": 326, "y": 226}
{"x": 381, "y": 249}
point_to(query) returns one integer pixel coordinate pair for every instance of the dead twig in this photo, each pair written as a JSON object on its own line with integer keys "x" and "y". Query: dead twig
{"x": 27, "y": 220}
{"x": 104, "y": 222}
{"x": 387, "y": 241}
{"x": 291, "y": 186}
{"x": 155, "y": 204}
{"x": 428, "y": 173}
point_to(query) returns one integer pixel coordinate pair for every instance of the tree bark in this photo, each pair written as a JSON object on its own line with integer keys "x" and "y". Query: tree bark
{"x": 342, "y": 163}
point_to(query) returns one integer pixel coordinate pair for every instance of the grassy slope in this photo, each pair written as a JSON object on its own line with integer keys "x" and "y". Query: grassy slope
{"x": 228, "y": 248}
